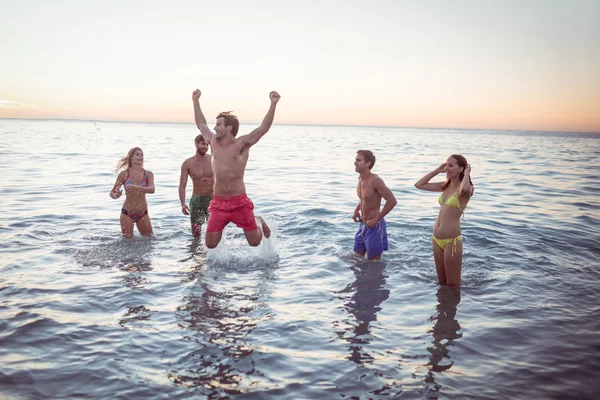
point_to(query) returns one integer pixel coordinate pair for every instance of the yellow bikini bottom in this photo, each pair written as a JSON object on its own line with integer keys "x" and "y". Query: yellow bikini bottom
{"x": 443, "y": 242}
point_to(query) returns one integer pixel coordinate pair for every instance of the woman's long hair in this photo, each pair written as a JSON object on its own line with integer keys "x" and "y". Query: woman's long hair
{"x": 462, "y": 162}
{"x": 125, "y": 162}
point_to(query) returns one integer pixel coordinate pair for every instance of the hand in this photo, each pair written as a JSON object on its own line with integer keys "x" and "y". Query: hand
{"x": 372, "y": 222}
{"x": 132, "y": 188}
{"x": 115, "y": 194}
{"x": 467, "y": 170}
{"x": 274, "y": 96}
{"x": 356, "y": 217}
{"x": 185, "y": 209}
{"x": 196, "y": 95}
{"x": 441, "y": 168}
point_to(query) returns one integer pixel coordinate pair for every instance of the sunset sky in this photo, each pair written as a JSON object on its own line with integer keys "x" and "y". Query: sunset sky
{"x": 510, "y": 64}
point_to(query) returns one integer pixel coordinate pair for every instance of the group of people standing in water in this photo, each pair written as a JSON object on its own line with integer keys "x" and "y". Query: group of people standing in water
{"x": 219, "y": 193}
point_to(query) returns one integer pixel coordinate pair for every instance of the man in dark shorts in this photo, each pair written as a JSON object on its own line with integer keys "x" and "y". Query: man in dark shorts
{"x": 230, "y": 155}
{"x": 199, "y": 169}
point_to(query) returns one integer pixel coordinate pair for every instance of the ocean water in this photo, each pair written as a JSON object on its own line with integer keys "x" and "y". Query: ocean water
{"x": 87, "y": 314}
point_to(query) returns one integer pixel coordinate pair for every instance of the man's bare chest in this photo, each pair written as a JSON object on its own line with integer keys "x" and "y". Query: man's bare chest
{"x": 200, "y": 170}
{"x": 368, "y": 192}
{"x": 230, "y": 155}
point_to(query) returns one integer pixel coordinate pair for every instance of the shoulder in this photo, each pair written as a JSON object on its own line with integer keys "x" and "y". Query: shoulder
{"x": 242, "y": 141}
{"x": 122, "y": 174}
{"x": 378, "y": 181}
{"x": 149, "y": 173}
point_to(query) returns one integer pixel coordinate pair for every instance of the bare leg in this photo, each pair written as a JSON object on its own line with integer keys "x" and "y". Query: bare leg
{"x": 453, "y": 264}
{"x": 126, "y": 226}
{"x": 438, "y": 258}
{"x": 144, "y": 226}
{"x": 196, "y": 230}
{"x": 265, "y": 228}
{"x": 254, "y": 237}
{"x": 212, "y": 239}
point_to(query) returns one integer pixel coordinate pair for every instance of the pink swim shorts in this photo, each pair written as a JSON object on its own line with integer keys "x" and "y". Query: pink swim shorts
{"x": 236, "y": 209}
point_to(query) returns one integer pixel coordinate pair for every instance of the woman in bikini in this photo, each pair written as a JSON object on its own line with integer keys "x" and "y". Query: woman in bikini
{"x": 446, "y": 239}
{"x": 137, "y": 182}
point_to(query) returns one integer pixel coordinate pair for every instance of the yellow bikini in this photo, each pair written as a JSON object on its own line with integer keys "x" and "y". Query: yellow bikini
{"x": 454, "y": 203}
{"x": 443, "y": 242}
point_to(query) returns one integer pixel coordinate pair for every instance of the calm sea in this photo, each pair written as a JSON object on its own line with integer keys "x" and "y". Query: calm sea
{"x": 87, "y": 314}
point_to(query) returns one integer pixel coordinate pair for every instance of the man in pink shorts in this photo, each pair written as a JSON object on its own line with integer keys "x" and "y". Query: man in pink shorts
{"x": 230, "y": 155}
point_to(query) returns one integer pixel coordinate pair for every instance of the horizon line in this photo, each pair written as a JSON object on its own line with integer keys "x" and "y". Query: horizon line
{"x": 303, "y": 124}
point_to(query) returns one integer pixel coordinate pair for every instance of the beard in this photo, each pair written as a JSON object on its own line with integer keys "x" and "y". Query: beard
{"x": 201, "y": 152}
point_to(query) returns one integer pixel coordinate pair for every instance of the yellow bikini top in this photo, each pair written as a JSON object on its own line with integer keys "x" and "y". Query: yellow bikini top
{"x": 452, "y": 201}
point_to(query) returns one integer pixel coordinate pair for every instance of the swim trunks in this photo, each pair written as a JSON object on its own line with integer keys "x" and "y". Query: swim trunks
{"x": 373, "y": 240}
{"x": 236, "y": 209}
{"x": 199, "y": 209}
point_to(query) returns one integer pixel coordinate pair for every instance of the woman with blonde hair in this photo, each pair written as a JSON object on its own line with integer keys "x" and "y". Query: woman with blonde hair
{"x": 446, "y": 239}
{"x": 137, "y": 182}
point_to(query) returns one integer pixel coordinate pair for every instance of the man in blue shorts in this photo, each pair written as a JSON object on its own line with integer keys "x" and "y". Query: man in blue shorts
{"x": 371, "y": 238}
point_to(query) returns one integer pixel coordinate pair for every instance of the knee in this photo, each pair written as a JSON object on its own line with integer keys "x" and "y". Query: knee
{"x": 254, "y": 242}
{"x": 211, "y": 244}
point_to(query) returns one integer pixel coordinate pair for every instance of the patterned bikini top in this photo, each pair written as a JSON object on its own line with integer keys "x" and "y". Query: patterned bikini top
{"x": 128, "y": 180}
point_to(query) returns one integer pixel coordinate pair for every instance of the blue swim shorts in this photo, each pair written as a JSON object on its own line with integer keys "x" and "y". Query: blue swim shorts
{"x": 373, "y": 240}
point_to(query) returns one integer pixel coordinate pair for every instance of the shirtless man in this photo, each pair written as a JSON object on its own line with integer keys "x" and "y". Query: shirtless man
{"x": 230, "y": 155}
{"x": 371, "y": 238}
{"x": 199, "y": 169}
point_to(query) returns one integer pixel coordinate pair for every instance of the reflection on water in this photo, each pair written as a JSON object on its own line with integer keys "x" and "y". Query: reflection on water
{"x": 445, "y": 331}
{"x": 133, "y": 314}
{"x": 133, "y": 258}
{"x": 367, "y": 295}
{"x": 217, "y": 317}
{"x": 197, "y": 253}
{"x": 131, "y": 255}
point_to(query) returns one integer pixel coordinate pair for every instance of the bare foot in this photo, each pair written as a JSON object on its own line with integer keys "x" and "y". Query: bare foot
{"x": 265, "y": 228}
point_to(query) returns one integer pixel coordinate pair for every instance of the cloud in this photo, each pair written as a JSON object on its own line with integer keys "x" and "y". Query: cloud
{"x": 15, "y": 105}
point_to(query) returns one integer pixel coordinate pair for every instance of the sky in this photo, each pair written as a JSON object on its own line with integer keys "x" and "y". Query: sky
{"x": 496, "y": 64}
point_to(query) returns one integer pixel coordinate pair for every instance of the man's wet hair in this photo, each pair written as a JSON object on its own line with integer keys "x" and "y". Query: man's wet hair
{"x": 199, "y": 139}
{"x": 368, "y": 156}
{"x": 230, "y": 120}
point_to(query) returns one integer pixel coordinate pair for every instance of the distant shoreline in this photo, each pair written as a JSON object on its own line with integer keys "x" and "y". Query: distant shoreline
{"x": 306, "y": 124}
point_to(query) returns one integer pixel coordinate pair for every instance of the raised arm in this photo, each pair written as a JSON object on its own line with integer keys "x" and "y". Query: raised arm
{"x": 424, "y": 184}
{"x": 253, "y": 137}
{"x": 465, "y": 185}
{"x": 200, "y": 119}
{"x": 182, "y": 184}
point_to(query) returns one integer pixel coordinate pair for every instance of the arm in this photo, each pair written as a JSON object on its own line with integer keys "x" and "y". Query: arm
{"x": 357, "y": 217}
{"x": 116, "y": 191}
{"x": 182, "y": 184}
{"x": 465, "y": 186}
{"x": 144, "y": 189}
{"x": 390, "y": 202}
{"x": 424, "y": 184}
{"x": 200, "y": 119}
{"x": 253, "y": 137}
